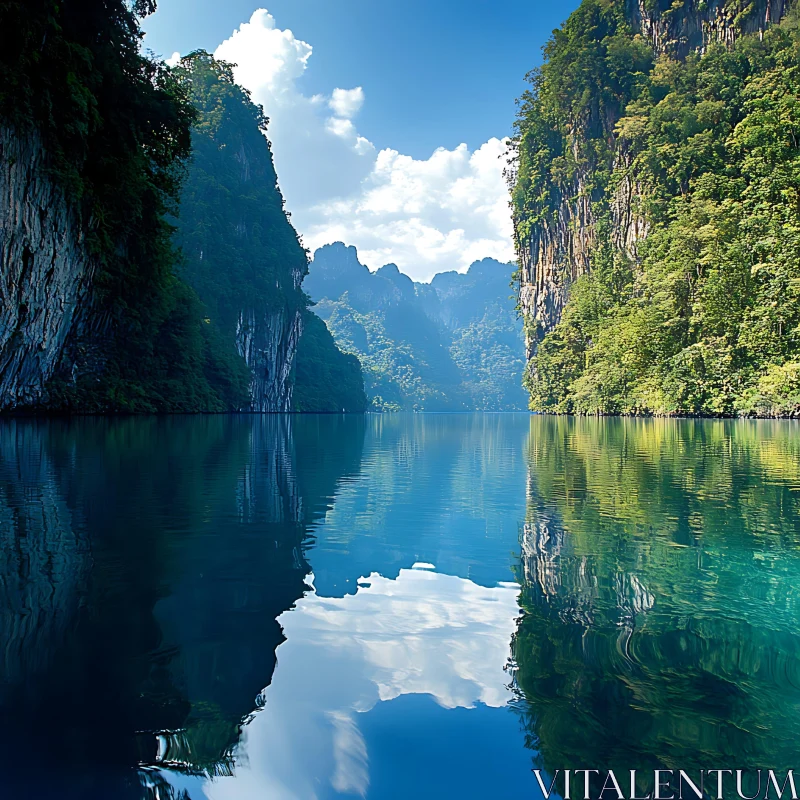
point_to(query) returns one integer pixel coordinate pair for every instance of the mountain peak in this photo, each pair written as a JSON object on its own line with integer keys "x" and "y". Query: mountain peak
{"x": 399, "y": 279}
{"x": 338, "y": 251}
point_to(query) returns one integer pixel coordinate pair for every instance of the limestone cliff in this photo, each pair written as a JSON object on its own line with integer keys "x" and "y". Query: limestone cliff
{"x": 93, "y": 137}
{"x": 45, "y": 265}
{"x": 267, "y": 341}
{"x": 242, "y": 255}
{"x": 557, "y": 236}
{"x": 678, "y": 28}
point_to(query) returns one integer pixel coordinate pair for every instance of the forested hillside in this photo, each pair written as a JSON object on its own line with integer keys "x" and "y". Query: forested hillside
{"x": 454, "y": 344}
{"x": 656, "y": 195}
{"x": 244, "y": 259}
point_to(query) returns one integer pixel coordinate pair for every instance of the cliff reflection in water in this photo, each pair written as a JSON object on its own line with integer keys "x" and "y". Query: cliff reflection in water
{"x": 144, "y": 563}
{"x": 661, "y": 594}
{"x": 152, "y": 567}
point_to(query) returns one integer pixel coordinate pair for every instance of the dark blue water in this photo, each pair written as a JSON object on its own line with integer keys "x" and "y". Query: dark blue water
{"x": 392, "y": 606}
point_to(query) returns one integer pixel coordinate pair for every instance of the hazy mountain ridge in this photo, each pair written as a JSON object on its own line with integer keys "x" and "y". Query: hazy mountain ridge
{"x": 453, "y": 344}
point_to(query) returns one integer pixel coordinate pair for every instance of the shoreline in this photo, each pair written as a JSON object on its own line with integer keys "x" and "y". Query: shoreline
{"x": 46, "y": 414}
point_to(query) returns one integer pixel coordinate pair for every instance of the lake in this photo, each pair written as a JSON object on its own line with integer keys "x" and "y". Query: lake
{"x": 392, "y": 606}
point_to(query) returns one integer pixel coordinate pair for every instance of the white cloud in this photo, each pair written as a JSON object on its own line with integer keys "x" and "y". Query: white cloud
{"x": 425, "y": 215}
{"x": 315, "y": 163}
{"x": 347, "y": 102}
{"x": 341, "y": 127}
{"x": 268, "y": 60}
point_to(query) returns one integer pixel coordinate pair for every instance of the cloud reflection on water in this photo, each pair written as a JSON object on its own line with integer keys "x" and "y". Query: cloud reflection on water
{"x": 422, "y": 633}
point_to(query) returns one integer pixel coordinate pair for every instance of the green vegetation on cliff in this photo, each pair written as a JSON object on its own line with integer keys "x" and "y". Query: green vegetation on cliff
{"x": 326, "y": 379}
{"x": 594, "y": 66}
{"x": 240, "y": 250}
{"x": 242, "y": 255}
{"x": 116, "y": 128}
{"x": 704, "y": 317}
{"x": 451, "y": 345}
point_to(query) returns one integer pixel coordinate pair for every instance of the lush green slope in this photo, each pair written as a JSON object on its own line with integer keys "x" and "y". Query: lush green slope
{"x": 326, "y": 379}
{"x": 704, "y": 319}
{"x": 476, "y": 312}
{"x": 453, "y": 344}
{"x": 240, "y": 250}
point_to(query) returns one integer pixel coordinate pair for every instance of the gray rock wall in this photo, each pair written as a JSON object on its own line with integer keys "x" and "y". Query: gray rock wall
{"x": 267, "y": 340}
{"x": 45, "y": 270}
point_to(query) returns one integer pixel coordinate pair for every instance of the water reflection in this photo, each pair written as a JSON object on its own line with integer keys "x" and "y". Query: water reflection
{"x": 145, "y": 562}
{"x": 443, "y": 488}
{"x": 45, "y": 559}
{"x": 606, "y": 594}
{"x": 423, "y": 633}
{"x": 661, "y": 574}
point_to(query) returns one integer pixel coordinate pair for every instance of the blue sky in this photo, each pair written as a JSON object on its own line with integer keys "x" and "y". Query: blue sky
{"x": 406, "y": 167}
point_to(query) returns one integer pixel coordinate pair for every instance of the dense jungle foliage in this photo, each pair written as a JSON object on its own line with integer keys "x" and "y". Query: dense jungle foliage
{"x": 454, "y": 344}
{"x": 240, "y": 249}
{"x": 116, "y": 126}
{"x": 237, "y": 241}
{"x": 705, "y": 319}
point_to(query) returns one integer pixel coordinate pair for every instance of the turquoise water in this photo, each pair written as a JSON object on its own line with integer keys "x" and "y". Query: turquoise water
{"x": 392, "y": 606}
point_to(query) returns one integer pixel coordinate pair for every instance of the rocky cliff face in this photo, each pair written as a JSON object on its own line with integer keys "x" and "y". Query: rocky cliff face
{"x": 266, "y": 337}
{"x": 676, "y": 29}
{"x": 45, "y": 266}
{"x": 267, "y": 341}
{"x": 337, "y": 271}
{"x": 557, "y": 250}
{"x": 554, "y": 255}
{"x": 45, "y": 292}
{"x": 242, "y": 255}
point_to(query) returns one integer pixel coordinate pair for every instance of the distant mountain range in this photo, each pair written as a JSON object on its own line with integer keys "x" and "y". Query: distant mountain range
{"x": 453, "y": 344}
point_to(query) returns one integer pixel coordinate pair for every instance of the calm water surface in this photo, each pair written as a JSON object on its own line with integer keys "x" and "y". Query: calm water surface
{"x": 394, "y": 606}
